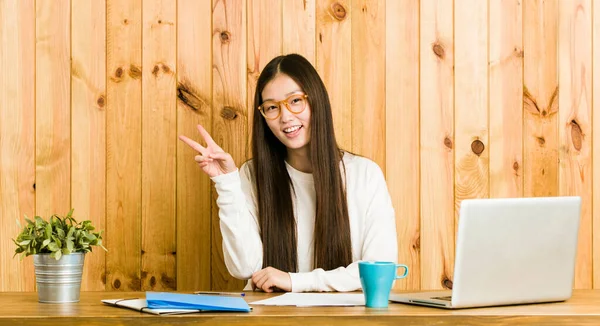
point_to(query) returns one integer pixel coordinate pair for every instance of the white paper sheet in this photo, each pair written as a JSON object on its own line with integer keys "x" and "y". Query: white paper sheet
{"x": 142, "y": 306}
{"x": 314, "y": 299}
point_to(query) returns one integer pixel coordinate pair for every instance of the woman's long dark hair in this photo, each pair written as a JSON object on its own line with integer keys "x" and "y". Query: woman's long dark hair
{"x": 332, "y": 242}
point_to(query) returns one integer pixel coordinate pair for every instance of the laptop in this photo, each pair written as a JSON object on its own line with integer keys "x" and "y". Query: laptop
{"x": 510, "y": 251}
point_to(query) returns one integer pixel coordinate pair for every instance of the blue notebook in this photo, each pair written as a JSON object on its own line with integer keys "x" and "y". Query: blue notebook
{"x": 169, "y": 300}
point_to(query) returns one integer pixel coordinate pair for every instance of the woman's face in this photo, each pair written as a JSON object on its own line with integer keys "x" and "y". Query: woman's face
{"x": 292, "y": 129}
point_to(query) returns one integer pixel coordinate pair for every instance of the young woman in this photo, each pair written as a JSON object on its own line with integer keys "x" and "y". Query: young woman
{"x": 301, "y": 213}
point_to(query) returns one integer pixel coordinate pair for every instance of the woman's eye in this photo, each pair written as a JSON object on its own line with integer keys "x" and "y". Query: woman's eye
{"x": 271, "y": 108}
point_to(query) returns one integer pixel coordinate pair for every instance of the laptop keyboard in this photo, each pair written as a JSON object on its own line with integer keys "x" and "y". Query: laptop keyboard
{"x": 446, "y": 298}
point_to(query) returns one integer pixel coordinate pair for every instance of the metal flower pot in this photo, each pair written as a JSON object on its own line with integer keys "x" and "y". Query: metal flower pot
{"x": 58, "y": 281}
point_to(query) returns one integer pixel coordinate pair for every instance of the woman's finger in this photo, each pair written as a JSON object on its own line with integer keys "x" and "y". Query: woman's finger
{"x": 220, "y": 156}
{"x": 260, "y": 280}
{"x": 207, "y": 138}
{"x": 256, "y": 277}
{"x": 202, "y": 158}
{"x": 268, "y": 285}
{"x": 194, "y": 145}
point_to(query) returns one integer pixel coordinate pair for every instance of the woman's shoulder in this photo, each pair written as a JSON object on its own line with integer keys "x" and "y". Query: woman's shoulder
{"x": 358, "y": 163}
{"x": 246, "y": 170}
{"x": 247, "y": 165}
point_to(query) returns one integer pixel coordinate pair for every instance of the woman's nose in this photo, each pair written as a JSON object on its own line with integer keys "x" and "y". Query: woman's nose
{"x": 286, "y": 114}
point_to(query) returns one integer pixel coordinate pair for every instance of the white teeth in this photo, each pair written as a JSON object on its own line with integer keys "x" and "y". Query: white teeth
{"x": 291, "y": 129}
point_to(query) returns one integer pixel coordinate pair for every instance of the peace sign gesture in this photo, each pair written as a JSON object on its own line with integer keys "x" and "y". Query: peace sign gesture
{"x": 212, "y": 159}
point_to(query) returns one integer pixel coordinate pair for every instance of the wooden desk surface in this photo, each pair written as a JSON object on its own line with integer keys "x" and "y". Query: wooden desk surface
{"x": 24, "y": 309}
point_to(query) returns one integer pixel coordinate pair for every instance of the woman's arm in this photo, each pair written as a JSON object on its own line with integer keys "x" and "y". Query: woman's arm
{"x": 237, "y": 212}
{"x": 242, "y": 246}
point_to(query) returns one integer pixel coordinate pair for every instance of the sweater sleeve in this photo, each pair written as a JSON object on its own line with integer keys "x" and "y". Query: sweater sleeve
{"x": 242, "y": 246}
{"x": 379, "y": 242}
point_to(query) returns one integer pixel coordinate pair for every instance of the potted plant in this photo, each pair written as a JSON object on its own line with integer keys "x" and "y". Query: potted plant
{"x": 58, "y": 246}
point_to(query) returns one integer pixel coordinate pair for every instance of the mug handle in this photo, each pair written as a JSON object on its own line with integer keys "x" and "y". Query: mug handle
{"x": 405, "y": 271}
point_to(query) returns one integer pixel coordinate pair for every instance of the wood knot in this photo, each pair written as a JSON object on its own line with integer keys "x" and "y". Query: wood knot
{"x": 135, "y": 72}
{"x": 135, "y": 284}
{"x": 160, "y": 21}
{"x": 228, "y": 113}
{"x": 438, "y": 49}
{"x": 160, "y": 66}
{"x": 446, "y": 283}
{"x": 225, "y": 37}
{"x": 168, "y": 282}
{"x": 34, "y": 186}
{"x": 417, "y": 243}
{"x": 117, "y": 284}
{"x": 541, "y": 141}
{"x": 103, "y": 278}
{"x": 119, "y": 72}
{"x": 529, "y": 102}
{"x": 576, "y": 135}
{"x": 143, "y": 252}
{"x": 544, "y": 112}
{"x": 448, "y": 142}
{"x": 477, "y": 147}
{"x": 518, "y": 52}
{"x": 101, "y": 101}
{"x": 152, "y": 281}
{"x": 516, "y": 166}
{"x": 174, "y": 253}
{"x": 187, "y": 96}
{"x": 125, "y": 21}
{"x": 338, "y": 11}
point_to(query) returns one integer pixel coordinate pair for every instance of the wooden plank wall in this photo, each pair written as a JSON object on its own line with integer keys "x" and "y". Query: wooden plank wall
{"x": 454, "y": 99}
{"x": 88, "y": 127}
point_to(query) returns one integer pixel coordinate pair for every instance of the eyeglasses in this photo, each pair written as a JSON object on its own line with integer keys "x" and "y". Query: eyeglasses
{"x": 271, "y": 110}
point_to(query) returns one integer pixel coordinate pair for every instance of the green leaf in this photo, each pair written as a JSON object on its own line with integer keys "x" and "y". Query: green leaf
{"x": 57, "y": 240}
{"x": 24, "y": 242}
{"x": 29, "y": 222}
{"x": 39, "y": 222}
{"x": 87, "y": 225}
{"x": 45, "y": 243}
{"x": 48, "y": 231}
{"x": 61, "y": 233}
{"x": 101, "y": 246}
{"x": 70, "y": 245}
{"x": 56, "y": 255}
{"x": 52, "y": 246}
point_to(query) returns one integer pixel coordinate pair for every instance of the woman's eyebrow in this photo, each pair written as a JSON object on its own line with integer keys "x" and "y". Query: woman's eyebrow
{"x": 286, "y": 95}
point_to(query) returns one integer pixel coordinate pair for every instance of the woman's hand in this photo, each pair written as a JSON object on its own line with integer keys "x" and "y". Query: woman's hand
{"x": 269, "y": 279}
{"x": 212, "y": 159}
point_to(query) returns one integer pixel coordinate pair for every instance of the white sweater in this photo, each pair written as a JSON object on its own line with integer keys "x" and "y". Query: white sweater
{"x": 372, "y": 225}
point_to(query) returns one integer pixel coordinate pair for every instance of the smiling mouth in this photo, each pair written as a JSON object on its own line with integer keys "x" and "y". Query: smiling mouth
{"x": 291, "y": 129}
